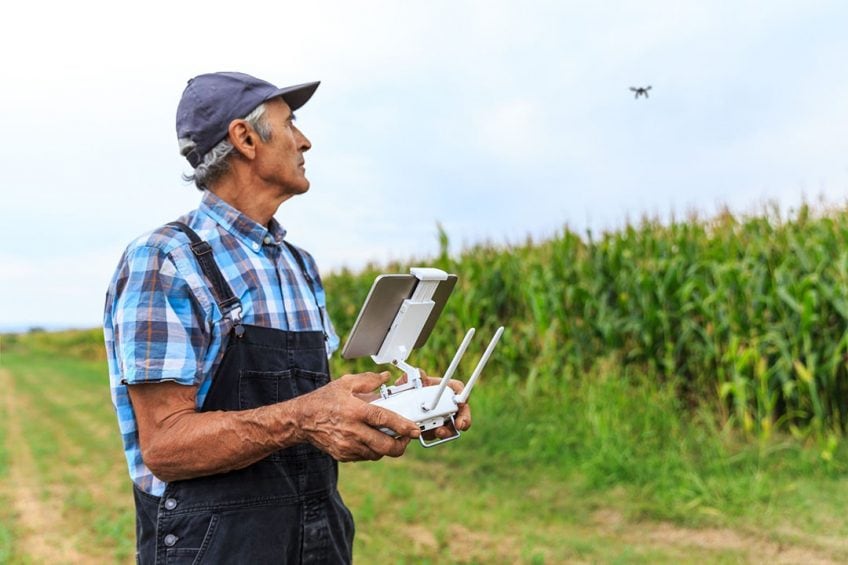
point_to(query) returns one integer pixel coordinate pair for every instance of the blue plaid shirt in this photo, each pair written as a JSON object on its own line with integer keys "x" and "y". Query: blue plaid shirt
{"x": 161, "y": 321}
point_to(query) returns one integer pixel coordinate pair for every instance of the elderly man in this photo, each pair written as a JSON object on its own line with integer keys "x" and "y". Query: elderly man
{"x": 218, "y": 342}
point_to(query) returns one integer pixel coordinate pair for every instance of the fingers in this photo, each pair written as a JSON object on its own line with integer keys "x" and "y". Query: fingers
{"x": 359, "y": 452}
{"x": 393, "y": 447}
{"x": 373, "y": 445}
{"x": 364, "y": 382}
{"x": 363, "y": 453}
{"x": 455, "y": 385}
{"x": 377, "y": 417}
{"x": 359, "y": 442}
{"x": 444, "y": 432}
{"x": 365, "y": 443}
{"x": 366, "y": 396}
{"x": 463, "y": 417}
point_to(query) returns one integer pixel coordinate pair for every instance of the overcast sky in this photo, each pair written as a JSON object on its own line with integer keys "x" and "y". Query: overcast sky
{"x": 497, "y": 119}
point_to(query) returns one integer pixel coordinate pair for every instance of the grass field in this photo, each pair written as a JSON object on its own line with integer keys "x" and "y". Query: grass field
{"x": 664, "y": 393}
{"x": 604, "y": 472}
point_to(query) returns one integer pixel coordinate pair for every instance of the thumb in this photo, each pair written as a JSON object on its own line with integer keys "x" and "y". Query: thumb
{"x": 366, "y": 382}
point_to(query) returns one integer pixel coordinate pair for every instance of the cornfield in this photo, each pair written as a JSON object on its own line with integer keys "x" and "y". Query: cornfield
{"x": 744, "y": 315}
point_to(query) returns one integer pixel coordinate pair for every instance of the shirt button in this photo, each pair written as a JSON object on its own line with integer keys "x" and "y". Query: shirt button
{"x": 256, "y": 247}
{"x": 268, "y": 240}
{"x": 170, "y": 504}
{"x": 170, "y": 540}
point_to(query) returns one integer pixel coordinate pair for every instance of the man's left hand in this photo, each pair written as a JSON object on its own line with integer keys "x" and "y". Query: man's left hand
{"x": 462, "y": 418}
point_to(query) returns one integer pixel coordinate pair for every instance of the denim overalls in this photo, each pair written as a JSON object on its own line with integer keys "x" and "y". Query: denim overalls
{"x": 282, "y": 509}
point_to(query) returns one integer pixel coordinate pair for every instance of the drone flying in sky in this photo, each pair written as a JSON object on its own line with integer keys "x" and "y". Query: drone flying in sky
{"x": 640, "y": 91}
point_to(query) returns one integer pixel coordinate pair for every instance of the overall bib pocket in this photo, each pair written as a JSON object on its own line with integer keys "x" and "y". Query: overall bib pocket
{"x": 261, "y": 388}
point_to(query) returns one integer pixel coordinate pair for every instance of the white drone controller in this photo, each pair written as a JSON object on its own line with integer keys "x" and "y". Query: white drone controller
{"x": 428, "y": 406}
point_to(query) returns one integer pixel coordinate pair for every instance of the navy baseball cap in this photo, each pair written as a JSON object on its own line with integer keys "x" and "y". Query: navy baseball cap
{"x": 211, "y": 101}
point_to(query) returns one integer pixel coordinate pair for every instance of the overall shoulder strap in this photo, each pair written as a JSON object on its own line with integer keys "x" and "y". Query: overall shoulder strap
{"x": 224, "y": 297}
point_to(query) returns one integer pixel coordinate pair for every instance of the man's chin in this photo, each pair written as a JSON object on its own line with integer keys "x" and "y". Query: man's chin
{"x": 299, "y": 188}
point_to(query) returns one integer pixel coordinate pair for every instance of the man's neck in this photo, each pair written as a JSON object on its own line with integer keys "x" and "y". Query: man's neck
{"x": 249, "y": 198}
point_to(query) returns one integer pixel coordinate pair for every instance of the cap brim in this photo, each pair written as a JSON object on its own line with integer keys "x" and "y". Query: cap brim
{"x": 296, "y": 96}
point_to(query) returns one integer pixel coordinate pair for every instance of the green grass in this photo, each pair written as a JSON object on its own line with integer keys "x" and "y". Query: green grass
{"x": 69, "y": 428}
{"x": 527, "y": 483}
{"x": 6, "y": 516}
{"x": 535, "y": 468}
{"x": 662, "y": 394}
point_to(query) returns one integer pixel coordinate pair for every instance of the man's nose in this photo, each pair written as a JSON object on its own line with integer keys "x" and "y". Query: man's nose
{"x": 304, "y": 143}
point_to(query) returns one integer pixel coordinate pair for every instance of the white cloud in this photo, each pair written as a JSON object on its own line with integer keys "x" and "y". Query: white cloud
{"x": 496, "y": 118}
{"x": 513, "y": 131}
{"x": 65, "y": 290}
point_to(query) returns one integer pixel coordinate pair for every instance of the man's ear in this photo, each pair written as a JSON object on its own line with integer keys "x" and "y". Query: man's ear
{"x": 243, "y": 137}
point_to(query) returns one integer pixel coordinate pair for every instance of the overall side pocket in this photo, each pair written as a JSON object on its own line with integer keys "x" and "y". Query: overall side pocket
{"x": 193, "y": 555}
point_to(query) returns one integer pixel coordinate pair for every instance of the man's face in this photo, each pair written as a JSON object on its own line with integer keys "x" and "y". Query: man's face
{"x": 281, "y": 158}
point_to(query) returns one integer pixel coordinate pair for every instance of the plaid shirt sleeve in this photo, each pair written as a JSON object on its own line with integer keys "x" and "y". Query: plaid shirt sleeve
{"x": 160, "y": 329}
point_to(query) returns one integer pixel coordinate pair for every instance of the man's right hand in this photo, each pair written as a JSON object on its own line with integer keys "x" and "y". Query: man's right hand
{"x": 335, "y": 420}
{"x": 178, "y": 442}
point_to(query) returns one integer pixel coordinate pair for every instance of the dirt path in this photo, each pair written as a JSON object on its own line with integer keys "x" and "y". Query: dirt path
{"x": 754, "y": 548}
{"x": 37, "y": 516}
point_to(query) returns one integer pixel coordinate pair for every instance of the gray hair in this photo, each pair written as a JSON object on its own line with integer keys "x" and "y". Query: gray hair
{"x": 216, "y": 162}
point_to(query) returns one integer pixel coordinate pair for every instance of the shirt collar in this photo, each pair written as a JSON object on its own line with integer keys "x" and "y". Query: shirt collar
{"x": 240, "y": 226}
